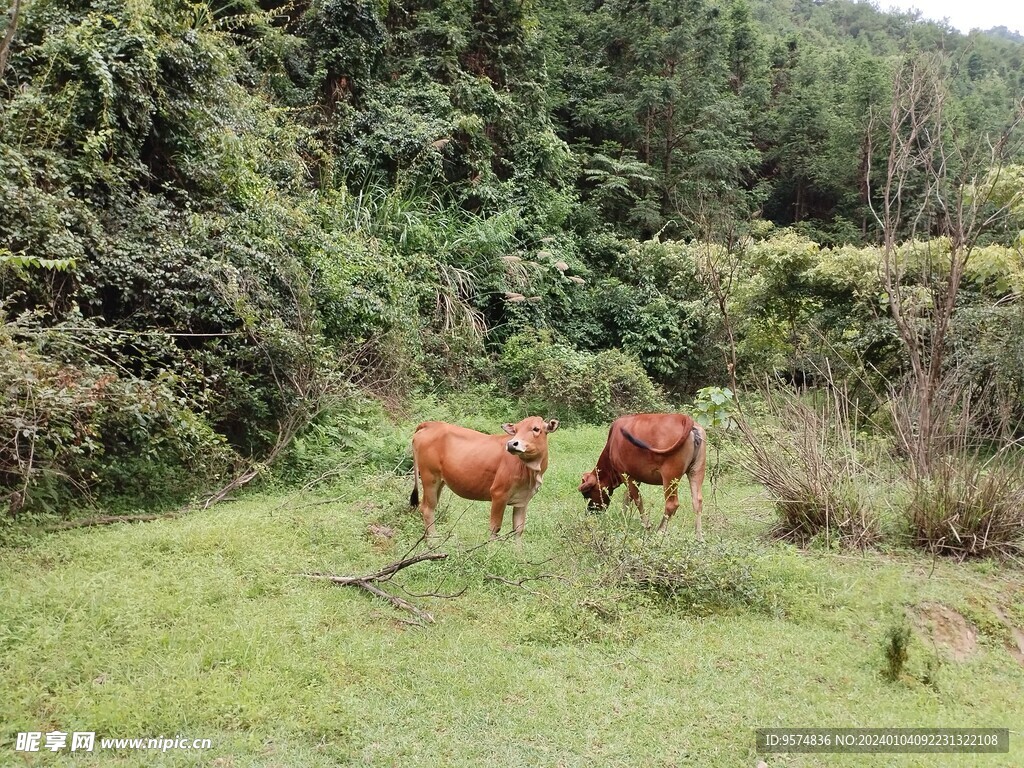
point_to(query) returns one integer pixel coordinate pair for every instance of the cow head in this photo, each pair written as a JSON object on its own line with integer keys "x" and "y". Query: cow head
{"x": 530, "y": 439}
{"x": 597, "y": 496}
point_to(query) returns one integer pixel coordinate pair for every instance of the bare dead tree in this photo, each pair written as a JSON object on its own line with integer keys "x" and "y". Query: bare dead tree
{"x": 938, "y": 182}
{"x": 719, "y": 257}
{"x": 12, "y": 28}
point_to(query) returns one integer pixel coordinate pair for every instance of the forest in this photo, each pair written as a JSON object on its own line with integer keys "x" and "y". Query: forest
{"x": 235, "y": 235}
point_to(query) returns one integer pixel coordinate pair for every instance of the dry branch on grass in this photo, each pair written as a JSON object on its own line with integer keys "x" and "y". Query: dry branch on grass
{"x": 89, "y": 522}
{"x": 385, "y": 574}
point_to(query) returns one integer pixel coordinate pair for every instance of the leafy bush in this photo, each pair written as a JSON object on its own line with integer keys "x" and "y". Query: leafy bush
{"x": 557, "y": 380}
{"x": 698, "y": 577}
{"x": 73, "y": 431}
{"x": 714, "y": 407}
{"x": 702, "y": 578}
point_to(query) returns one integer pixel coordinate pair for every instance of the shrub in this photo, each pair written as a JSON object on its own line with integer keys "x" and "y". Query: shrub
{"x": 702, "y": 578}
{"x": 896, "y": 645}
{"x": 554, "y": 379}
{"x": 968, "y": 507}
{"x": 698, "y": 577}
{"x": 73, "y": 430}
{"x": 812, "y": 463}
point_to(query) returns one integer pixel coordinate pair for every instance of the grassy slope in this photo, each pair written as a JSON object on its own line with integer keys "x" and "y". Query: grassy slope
{"x": 199, "y": 627}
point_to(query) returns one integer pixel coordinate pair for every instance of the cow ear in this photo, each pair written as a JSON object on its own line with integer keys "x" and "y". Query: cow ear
{"x": 552, "y": 425}
{"x": 509, "y": 429}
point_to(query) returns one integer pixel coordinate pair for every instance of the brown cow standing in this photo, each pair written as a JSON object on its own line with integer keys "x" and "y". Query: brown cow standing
{"x": 505, "y": 471}
{"x": 653, "y": 448}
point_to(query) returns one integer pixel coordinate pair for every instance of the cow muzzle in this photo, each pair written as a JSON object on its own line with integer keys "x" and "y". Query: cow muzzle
{"x": 515, "y": 446}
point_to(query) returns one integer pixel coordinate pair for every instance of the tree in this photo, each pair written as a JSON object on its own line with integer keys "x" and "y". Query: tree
{"x": 5, "y": 43}
{"x": 940, "y": 181}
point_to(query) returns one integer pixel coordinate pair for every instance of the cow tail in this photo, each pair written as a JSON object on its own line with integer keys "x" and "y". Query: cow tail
{"x": 697, "y": 442}
{"x": 414, "y": 497}
{"x": 660, "y": 451}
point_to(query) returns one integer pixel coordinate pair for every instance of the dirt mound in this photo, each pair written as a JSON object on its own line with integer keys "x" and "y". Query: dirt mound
{"x": 946, "y": 629}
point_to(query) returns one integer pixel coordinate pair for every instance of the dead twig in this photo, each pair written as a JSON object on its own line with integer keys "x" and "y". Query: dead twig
{"x": 384, "y": 574}
{"x": 320, "y": 503}
{"x": 522, "y": 581}
{"x": 398, "y": 602}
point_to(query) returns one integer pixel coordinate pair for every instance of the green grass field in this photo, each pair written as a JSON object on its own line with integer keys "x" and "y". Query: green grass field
{"x": 202, "y": 627}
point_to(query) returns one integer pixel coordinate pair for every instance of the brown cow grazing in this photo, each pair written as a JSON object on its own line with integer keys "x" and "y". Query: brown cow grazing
{"x": 504, "y": 471}
{"x": 653, "y": 448}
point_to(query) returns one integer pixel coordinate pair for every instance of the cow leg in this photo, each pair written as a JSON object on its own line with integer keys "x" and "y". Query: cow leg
{"x": 431, "y": 493}
{"x": 636, "y": 498}
{"x": 671, "y": 502}
{"x": 498, "y": 504}
{"x": 519, "y": 520}
{"x": 697, "y": 497}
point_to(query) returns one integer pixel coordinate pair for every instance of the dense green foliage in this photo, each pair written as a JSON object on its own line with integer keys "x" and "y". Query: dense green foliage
{"x": 217, "y": 218}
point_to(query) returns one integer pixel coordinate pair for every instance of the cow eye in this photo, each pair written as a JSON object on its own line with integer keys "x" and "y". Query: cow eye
{"x": 536, "y": 429}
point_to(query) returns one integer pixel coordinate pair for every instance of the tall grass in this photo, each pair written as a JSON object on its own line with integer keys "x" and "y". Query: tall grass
{"x": 815, "y": 467}
{"x": 967, "y": 506}
{"x": 966, "y": 488}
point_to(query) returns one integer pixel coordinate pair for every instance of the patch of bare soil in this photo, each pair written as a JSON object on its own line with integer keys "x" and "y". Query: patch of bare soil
{"x": 380, "y": 535}
{"x": 1016, "y": 643}
{"x": 946, "y": 628}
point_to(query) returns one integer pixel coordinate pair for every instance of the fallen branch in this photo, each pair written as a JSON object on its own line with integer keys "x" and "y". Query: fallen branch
{"x": 385, "y": 574}
{"x": 110, "y": 520}
{"x": 399, "y": 602}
